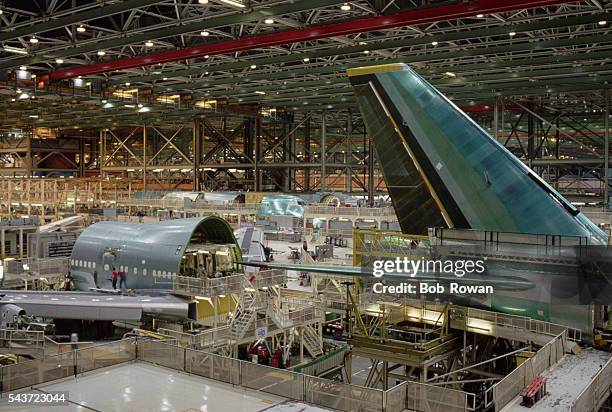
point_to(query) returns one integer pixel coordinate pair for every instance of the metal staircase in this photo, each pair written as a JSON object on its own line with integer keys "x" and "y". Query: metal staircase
{"x": 312, "y": 341}
{"x": 246, "y": 311}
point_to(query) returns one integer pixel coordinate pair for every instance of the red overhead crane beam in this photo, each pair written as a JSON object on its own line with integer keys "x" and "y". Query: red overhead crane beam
{"x": 362, "y": 25}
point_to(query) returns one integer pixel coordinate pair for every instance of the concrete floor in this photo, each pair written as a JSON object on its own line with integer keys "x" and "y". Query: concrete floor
{"x": 566, "y": 381}
{"x": 140, "y": 387}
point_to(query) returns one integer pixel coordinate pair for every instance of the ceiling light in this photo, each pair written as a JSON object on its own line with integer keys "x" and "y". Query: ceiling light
{"x": 81, "y": 29}
{"x": 204, "y": 33}
{"x": 139, "y": 104}
{"x": 12, "y": 100}
{"x": 206, "y": 56}
{"x": 512, "y": 34}
{"x": 149, "y": 44}
{"x": 33, "y": 116}
{"x": 450, "y": 74}
{"x": 59, "y": 61}
{"x": 259, "y": 92}
{"x": 101, "y": 52}
{"x": 366, "y": 52}
{"x": 16, "y": 50}
{"x": 143, "y": 110}
{"x": 203, "y": 1}
{"x": 602, "y": 22}
{"x": 345, "y": 7}
{"x": 33, "y": 40}
{"x": 434, "y": 43}
{"x": 23, "y": 68}
{"x": 165, "y": 78}
{"x": 233, "y": 3}
{"x": 306, "y": 59}
{"x": 129, "y": 106}
{"x": 104, "y": 101}
{"x": 18, "y": 91}
{"x": 253, "y": 66}
{"x": 480, "y": 16}
{"x": 24, "y": 96}
{"x": 33, "y": 76}
{"x": 108, "y": 105}
{"x": 127, "y": 83}
{"x": 269, "y": 21}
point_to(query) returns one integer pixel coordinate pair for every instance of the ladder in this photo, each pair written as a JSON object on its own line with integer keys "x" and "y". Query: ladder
{"x": 312, "y": 341}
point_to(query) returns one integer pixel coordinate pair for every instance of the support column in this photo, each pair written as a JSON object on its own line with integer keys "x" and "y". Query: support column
{"x": 257, "y": 176}
{"x": 307, "y": 156}
{"x": 323, "y": 184}
{"x": 530, "y": 134}
{"x": 349, "y": 153}
{"x": 144, "y": 158}
{"x": 370, "y": 173}
{"x": 606, "y": 146}
{"x": 197, "y": 154}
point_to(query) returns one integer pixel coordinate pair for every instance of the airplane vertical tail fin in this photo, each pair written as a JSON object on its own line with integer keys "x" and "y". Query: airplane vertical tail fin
{"x": 441, "y": 167}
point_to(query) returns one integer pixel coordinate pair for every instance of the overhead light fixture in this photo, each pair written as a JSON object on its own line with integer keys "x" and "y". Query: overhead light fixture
{"x": 107, "y": 105}
{"x": 15, "y": 50}
{"x": 165, "y": 78}
{"x": 233, "y": 3}
{"x": 306, "y": 59}
{"x": 253, "y": 66}
{"x": 206, "y": 56}
{"x": 101, "y": 53}
{"x": 602, "y": 22}
{"x": 434, "y": 43}
{"x": 18, "y": 91}
{"x": 13, "y": 99}
{"x": 366, "y": 52}
{"x": 203, "y": 1}
{"x": 143, "y": 110}
{"x": 81, "y": 29}
{"x": 33, "y": 116}
{"x": 33, "y": 40}
{"x": 127, "y": 83}
{"x": 149, "y": 44}
{"x": 139, "y": 105}
{"x": 59, "y": 61}
{"x": 450, "y": 74}
{"x": 259, "y": 92}
{"x": 204, "y": 33}
{"x": 512, "y": 34}
{"x": 104, "y": 101}
{"x": 129, "y": 106}
{"x": 269, "y": 21}
{"x": 24, "y": 96}
{"x": 480, "y": 16}
{"x": 345, "y": 7}
{"x": 23, "y": 68}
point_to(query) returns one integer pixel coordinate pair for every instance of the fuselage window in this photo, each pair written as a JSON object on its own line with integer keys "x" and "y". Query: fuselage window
{"x": 144, "y": 272}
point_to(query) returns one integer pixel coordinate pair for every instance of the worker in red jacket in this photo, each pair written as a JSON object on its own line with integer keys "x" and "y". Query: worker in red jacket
{"x": 114, "y": 276}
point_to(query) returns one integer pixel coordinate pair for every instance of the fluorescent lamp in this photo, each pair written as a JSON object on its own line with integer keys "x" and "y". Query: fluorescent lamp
{"x": 233, "y": 3}
{"x": 101, "y": 52}
{"x": 434, "y": 43}
{"x": 259, "y": 92}
{"x": 33, "y": 40}
{"x": 149, "y": 44}
{"x": 205, "y": 33}
{"x": 15, "y": 50}
{"x": 269, "y": 21}
{"x": 59, "y": 61}
{"x": 81, "y": 29}
{"x": 345, "y": 7}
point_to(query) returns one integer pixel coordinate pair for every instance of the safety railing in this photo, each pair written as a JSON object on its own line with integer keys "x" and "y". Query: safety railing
{"x": 472, "y": 315}
{"x": 284, "y": 383}
{"x": 511, "y": 385}
{"x": 388, "y": 212}
{"x": 268, "y": 278}
{"x": 595, "y": 394}
{"x": 206, "y": 339}
{"x": 22, "y": 341}
{"x": 322, "y": 364}
{"x": 208, "y": 287}
{"x": 62, "y": 365}
{"x": 416, "y": 396}
{"x": 35, "y": 266}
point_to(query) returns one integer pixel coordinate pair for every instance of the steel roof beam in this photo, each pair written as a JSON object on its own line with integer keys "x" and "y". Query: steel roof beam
{"x": 154, "y": 33}
{"x": 361, "y": 25}
{"x": 379, "y": 45}
{"x": 51, "y": 23}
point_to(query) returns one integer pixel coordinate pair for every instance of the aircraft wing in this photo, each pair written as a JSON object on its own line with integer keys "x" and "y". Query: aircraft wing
{"x": 97, "y": 306}
{"x": 498, "y": 282}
